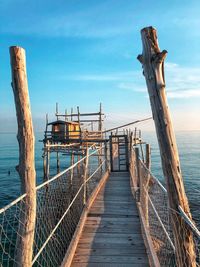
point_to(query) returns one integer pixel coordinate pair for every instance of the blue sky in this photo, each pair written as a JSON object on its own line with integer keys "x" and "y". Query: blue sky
{"x": 82, "y": 52}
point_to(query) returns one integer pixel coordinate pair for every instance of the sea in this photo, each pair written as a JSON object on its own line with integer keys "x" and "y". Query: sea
{"x": 189, "y": 152}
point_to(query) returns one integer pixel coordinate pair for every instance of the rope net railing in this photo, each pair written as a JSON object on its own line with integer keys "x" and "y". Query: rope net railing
{"x": 153, "y": 199}
{"x": 157, "y": 219}
{"x": 60, "y": 202}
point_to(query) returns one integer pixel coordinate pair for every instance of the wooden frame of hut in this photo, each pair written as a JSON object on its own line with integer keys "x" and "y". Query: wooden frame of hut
{"x": 71, "y": 134}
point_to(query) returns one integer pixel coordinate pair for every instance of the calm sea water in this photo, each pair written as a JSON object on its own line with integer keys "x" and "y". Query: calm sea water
{"x": 189, "y": 150}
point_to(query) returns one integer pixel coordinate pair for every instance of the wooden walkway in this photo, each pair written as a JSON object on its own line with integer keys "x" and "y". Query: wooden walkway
{"x": 111, "y": 235}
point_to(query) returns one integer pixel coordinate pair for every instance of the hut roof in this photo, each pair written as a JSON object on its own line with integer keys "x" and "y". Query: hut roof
{"x": 62, "y": 122}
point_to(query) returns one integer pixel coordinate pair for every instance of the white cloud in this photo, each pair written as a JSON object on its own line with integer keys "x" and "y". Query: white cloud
{"x": 184, "y": 94}
{"x": 182, "y": 82}
{"x": 133, "y": 87}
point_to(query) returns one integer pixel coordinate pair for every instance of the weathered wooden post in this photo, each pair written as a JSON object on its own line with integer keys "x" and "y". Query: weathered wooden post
{"x": 148, "y": 157}
{"x": 135, "y": 135}
{"x": 26, "y": 167}
{"x": 71, "y": 114}
{"x": 137, "y": 161}
{"x": 78, "y": 167}
{"x": 57, "y": 162}
{"x": 46, "y": 161}
{"x": 56, "y": 111}
{"x": 152, "y": 60}
{"x": 106, "y": 156}
{"x": 144, "y": 185}
{"x": 100, "y": 118}
{"x": 72, "y": 170}
{"x": 141, "y": 149}
{"x": 66, "y": 115}
{"x": 86, "y": 161}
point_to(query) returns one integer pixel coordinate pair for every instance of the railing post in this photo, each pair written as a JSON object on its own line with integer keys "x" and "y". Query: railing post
{"x": 78, "y": 166}
{"x": 138, "y": 173}
{"x": 152, "y": 60}
{"x": 86, "y": 161}
{"x": 111, "y": 151}
{"x": 130, "y": 142}
{"x": 144, "y": 188}
{"x": 106, "y": 156}
{"x": 26, "y": 167}
{"x": 148, "y": 157}
{"x": 57, "y": 162}
{"x": 46, "y": 161}
{"x": 72, "y": 170}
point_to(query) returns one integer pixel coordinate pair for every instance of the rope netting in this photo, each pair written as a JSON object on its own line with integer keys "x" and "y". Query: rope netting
{"x": 158, "y": 218}
{"x": 60, "y": 202}
{"x": 153, "y": 199}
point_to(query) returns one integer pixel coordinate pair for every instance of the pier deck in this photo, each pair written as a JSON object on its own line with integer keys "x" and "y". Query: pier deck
{"x": 111, "y": 235}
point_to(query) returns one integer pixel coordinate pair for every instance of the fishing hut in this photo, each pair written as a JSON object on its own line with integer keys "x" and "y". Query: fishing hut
{"x": 70, "y": 134}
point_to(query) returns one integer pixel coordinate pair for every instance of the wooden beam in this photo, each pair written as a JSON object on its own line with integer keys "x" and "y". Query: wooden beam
{"x": 81, "y": 114}
{"x": 152, "y": 60}
{"x": 130, "y": 123}
{"x": 26, "y": 167}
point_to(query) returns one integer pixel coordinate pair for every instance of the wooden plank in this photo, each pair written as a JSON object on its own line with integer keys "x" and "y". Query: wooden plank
{"x": 110, "y": 223}
{"x": 96, "y": 264}
{"x": 126, "y": 205}
{"x": 110, "y": 259}
{"x": 116, "y": 211}
{"x": 131, "y": 241}
{"x": 113, "y": 220}
{"x": 124, "y": 229}
{"x": 105, "y": 245}
{"x": 129, "y": 251}
{"x": 121, "y": 236}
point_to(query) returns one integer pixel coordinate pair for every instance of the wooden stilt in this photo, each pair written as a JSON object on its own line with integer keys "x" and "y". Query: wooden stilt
{"x": 47, "y": 162}
{"x": 57, "y": 110}
{"x": 141, "y": 149}
{"x": 26, "y": 167}
{"x": 100, "y": 117}
{"x": 152, "y": 60}
{"x": 57, "y": 162}
{"x": 44, "y": 164}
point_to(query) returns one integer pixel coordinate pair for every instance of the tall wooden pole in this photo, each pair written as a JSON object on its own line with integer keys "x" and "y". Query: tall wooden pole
{"x": 100, "y": 117}
{"x": 152, "y": 60}
{"x": 26, "y": 167}
{"x": 57, "y": 111}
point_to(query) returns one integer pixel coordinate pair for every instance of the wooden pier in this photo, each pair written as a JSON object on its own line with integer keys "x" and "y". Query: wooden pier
{"x": 112, "y": 234}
